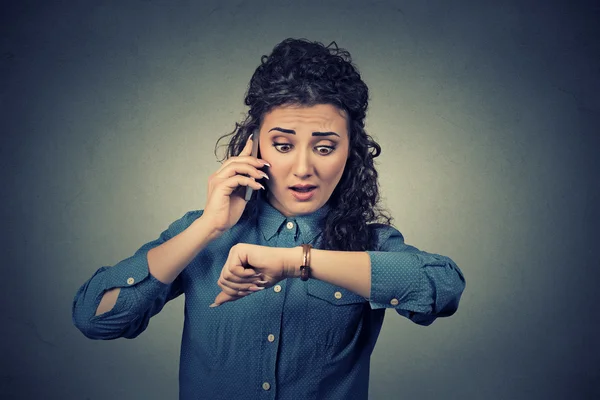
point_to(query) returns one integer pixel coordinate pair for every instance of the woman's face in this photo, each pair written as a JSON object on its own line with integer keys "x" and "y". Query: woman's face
{"x": 305, "y": 146}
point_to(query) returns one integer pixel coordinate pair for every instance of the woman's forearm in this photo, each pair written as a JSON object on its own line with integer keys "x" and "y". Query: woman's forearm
{"x": 165, "y": 262}
{"x": 348, "y": 269}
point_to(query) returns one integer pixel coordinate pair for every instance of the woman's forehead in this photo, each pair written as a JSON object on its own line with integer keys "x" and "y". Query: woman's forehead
{"x": 320, "y": 115}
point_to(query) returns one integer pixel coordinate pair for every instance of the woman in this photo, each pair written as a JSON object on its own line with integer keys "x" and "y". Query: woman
{"x": 285, "y": 294}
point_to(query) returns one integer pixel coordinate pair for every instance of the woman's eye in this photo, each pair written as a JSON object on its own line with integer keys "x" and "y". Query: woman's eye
{"x": 322, "y": 150}
{"x": 325, "y": 150}
{"x": 282, "y": 147}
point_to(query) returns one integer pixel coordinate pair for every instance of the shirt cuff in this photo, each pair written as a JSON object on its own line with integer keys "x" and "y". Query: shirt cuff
{"x": 398, "y": 281}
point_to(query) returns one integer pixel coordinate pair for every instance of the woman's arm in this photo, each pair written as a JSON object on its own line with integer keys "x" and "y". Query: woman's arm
{"x": 418, "y": 285}
{"x": 348, "y": 269}
{"x": 166, "y": 261}
{"x": 118, "y": 301}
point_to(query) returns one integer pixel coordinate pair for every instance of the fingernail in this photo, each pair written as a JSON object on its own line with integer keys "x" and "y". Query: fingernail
{"x": 262, "y": 186}
{"x": 214, "y": 305}
{"x": 265, "y": 175}
{"x": 266, "y": 163}
{"x": 256, "y": 289}
{"x": 260, "y": 282}
{"x": 251, "y": 136}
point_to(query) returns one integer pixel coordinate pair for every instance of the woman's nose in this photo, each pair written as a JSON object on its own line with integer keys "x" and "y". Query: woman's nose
{"x": 303, "y": 165}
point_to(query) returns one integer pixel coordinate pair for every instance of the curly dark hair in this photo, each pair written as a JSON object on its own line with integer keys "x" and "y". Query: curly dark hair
{"x": 305, "y": 73}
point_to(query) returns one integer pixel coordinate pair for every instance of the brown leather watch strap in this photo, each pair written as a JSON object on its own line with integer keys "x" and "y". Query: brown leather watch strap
{"x": 305, "y": 267}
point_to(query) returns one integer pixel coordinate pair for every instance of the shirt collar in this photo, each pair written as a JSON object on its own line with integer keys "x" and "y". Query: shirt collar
{"x": 271, "y": 220}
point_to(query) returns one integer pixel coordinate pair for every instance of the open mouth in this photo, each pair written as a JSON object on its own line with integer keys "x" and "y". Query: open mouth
{"x": 303, "y": 190}
{"x": 303, "y": 194}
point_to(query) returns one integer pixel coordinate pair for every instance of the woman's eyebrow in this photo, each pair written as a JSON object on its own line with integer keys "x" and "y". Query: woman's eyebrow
{"x": 292, "y": 132}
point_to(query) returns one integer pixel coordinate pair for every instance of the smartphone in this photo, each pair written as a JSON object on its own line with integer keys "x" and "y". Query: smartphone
{"x": 255, "y": 141}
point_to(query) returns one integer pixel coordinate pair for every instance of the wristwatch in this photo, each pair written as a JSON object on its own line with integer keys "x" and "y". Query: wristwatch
{"x": 305, "y": 267}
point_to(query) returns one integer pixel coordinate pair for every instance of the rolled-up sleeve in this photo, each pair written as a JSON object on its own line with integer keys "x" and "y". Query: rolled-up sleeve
{"x": 418, "y": 285}
{"x": 141, "y": 296}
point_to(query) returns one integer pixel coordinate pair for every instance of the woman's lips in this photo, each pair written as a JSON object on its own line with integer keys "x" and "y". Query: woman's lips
{"x": 304, "y": 195}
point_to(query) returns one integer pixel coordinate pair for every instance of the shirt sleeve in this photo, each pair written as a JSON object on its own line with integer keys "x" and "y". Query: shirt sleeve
{"x": 418, "y": 285}
{"x": 141, "y": 296}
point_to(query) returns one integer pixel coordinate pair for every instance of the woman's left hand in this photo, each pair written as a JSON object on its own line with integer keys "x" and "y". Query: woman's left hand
{"x": 250, "y": 268}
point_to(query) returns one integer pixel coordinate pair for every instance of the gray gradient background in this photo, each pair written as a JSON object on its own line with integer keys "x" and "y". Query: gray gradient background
{"x": 487, "y": 113}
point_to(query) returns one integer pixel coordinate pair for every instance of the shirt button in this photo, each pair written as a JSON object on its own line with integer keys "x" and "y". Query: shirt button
{"x": 394, "y": 302}
{"x": 130, "y": 281}
{"x": 266, "y": 386}
{"x": 277, "y": 288}
{"x": 338, "y": 295}
{"x": 290, "y": 225}
{"x": 271, "y": 338}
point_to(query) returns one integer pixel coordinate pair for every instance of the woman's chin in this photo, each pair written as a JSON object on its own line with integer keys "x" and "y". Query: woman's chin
{"x": 293, "y": 207}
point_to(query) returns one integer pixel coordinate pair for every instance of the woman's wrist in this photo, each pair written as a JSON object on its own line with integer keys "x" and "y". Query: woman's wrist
{"x": 205, "y": 230}
{"x": 292, "y": 262}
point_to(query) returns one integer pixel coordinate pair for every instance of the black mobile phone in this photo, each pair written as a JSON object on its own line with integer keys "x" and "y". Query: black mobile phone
{"x": 255, "y": 140}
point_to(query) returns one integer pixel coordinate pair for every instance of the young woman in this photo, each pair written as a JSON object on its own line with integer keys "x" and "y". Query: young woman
{"x": 285, "y": 294}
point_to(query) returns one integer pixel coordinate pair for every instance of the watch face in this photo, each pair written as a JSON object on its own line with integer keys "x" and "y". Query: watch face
{"x": 304, "y": 272}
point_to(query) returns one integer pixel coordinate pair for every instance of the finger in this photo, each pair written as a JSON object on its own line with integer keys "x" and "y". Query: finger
{"x": 251, "y": 289}
{"x": 255, "y": 162}
{"x": 222, "y": 298}
{"x": 247, "y": 150}
{"x": 240, "y": 168}
{"x": 229, "y": 185}
{"x": 231, "y": 275}
{"x": 232, "y": 288}
{"x": 236, "y": 294}
{"x": 246, "y": 274}
{"x": 239, "y": 290}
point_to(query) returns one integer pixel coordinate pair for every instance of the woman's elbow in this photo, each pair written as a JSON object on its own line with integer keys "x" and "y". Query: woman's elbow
{"x": 449, "y": 294}
{"x": 96, "y": 327}
{"x": 82, "y": 321}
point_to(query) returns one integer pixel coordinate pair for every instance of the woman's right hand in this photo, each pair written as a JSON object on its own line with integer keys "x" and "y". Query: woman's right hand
{"x": 227, "y": 188}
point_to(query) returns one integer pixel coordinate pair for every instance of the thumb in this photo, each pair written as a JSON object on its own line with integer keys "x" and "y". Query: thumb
{"x": 222, "y": 298}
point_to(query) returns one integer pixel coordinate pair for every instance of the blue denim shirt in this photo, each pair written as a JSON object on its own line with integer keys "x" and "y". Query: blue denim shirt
{"x": 296, "y": 340}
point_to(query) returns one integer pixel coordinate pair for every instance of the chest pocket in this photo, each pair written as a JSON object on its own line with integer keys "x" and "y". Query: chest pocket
{"x": 334, "y": 313}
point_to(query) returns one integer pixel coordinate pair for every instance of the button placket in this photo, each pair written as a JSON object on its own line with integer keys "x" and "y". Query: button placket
{"x": 272, "y": 322}
{"x": 271, "y": 330}
{"x": 292, "y": 230}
